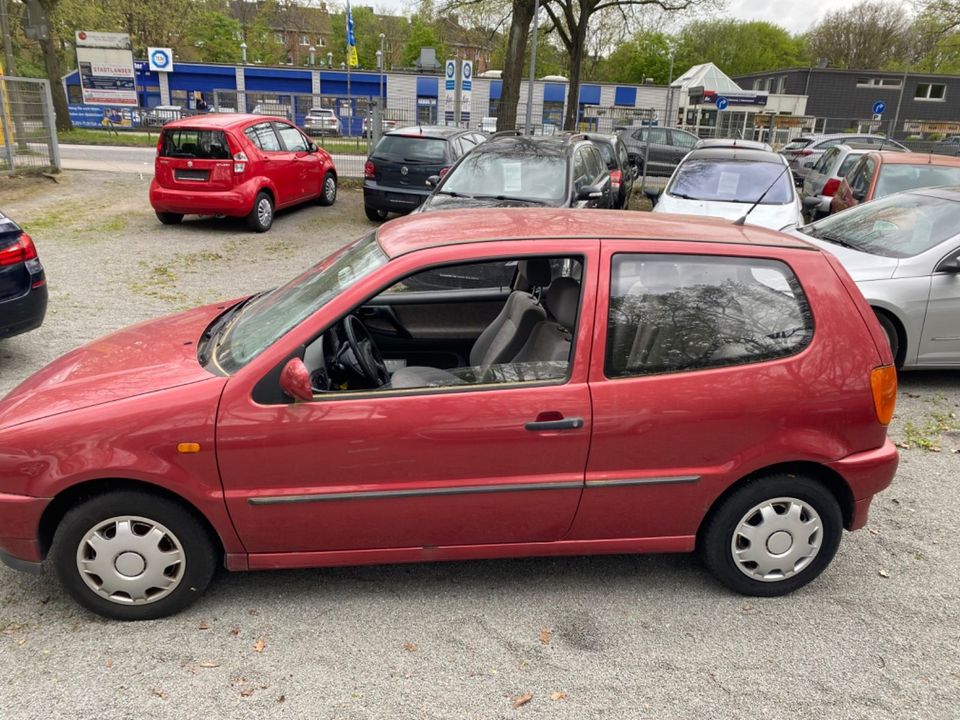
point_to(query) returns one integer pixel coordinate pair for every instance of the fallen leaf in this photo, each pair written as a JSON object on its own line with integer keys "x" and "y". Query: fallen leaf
{"x": 260, "y": 645}
{"x": 873, "y": 531}
{"x": 235, "y": 631}
{"x": 21, "y": 642}
{"x": 253, "y": 611}
{"x": 558, "y": 695}
{"x": 159, "y": 693}
{"x": 884, "y": 574}
{"x": 208, "y": 664}
{"x": 747, "y": 607}
{"x": 545, "y": 635}
{"x": 108, "y": 664}
{"x": 282, "y": 699}
{"x": 522, "y": 700}
{"x": 203, "y": 626}
{"x": 246, "y": 693}
{"x": 410, "y": 647}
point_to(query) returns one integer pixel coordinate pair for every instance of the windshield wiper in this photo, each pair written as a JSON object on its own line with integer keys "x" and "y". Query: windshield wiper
{"x": 682, "y": 196}
{"x": 454, "y": 193}
{"x": 215, "y": 328}
{"x": 509, "y": 198}
{"x": 835, "y": 240}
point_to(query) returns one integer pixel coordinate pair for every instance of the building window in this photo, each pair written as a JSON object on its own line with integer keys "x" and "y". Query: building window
{"x": 320, "y": 42}
{"x": 278, "y": 38}
{"x": 930, "y": 91}
{"x": 885, "y": 83}
{"x": 756, "y": 84}
{"x": 305, "y": 40}
{"x": 781, "y": 84}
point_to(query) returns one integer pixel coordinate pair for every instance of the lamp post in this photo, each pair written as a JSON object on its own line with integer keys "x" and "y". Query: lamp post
{"x": 382, "y": 62}
{"x": 243, "y": 53}
{"x": 528, "y": 127}
{"x": 670, "y": 118}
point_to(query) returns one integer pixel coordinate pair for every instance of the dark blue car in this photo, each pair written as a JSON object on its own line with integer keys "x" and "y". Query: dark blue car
{"x": 23, "y": 285}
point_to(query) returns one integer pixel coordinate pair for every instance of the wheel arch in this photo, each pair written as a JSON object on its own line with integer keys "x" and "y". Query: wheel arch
{"x": 81, "y": 492}
{"x": 828, "y": 477}
{"x": 898, "y": 325}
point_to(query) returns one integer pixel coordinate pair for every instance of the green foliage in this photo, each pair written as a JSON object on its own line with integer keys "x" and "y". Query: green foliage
{"x": 645, "y": 55}
{"x": 738, "y": 47}
{"x": 215, "y": 38}
{"x": 421, "y": 35}
{"x": 551, "y": 60}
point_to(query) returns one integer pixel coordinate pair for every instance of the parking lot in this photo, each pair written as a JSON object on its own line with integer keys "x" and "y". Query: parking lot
{"x": 878, "y": 636}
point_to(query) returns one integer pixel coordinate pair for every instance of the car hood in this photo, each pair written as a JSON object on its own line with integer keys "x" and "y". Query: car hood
{"x": 773, "y": 217}
{"x": 144, "y": 358}
{"x": 860, "y": 265}
{"x": 446, "y": 202}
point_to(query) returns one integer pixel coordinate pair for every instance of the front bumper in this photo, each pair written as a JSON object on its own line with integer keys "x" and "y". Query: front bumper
{"x": 867, "y": 473}
{"x": 19, "y": 525}
{"x": 400, "y": 200}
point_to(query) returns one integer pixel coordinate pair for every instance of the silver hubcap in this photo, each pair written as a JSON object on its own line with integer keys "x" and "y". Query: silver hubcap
{"x": 777, "y": 539}
{"x": 131, "y": 560}
{"x": 330, "y": 188}
{"x": 264, "y": 212}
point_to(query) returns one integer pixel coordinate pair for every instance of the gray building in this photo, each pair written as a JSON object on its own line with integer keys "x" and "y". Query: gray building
{"x": 916, "y": 103}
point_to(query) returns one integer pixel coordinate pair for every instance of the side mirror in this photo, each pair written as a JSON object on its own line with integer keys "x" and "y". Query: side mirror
{"x": 295, "y": 380}
{"x": 859, "y": 195}
{"x": 810, "y": 202}
{"x": 950, "y": 265}
{"x": 653, "y": 194}
{"x": 433, "y": 181}
{"x": 590, "y": 192}
{"x": 312, "y": 148}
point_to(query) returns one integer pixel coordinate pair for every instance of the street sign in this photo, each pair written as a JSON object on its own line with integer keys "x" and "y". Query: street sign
{"x": 878, "y": 107}
{"x": 449, "y": 90}
{"x": 466, "y": 87}
{"x": 161, "y": 59}
{"x": 722, "y": 103}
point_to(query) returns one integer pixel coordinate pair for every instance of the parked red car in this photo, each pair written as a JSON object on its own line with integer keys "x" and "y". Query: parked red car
{"x": 237, "y": 165}
{"x": 676, "y": 384}
{"x": 878, "y": 174}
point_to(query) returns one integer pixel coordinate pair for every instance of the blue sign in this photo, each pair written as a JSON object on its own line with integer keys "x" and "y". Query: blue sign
{"x": 722, "y": 103}
{"x": 879, "y": 106}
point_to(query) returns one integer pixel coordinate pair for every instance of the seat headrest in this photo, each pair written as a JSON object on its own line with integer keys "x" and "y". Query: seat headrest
{"x": 562, "y": 300}
{"x": 536, "y": 271}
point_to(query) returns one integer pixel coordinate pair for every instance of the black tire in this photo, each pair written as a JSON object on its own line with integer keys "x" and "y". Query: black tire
{"x": 375, "y": 214}
{"x": 260, "y": 218}
{"x": 199, "y": 553}
{"x": 169, "y": 218}
{"x": 328, "y": 190}
{"x": 720, "y": 531}
{"x": 893, "y": 337}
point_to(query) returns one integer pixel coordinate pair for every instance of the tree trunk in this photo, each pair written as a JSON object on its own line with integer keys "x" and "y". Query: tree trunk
{"x": 579, "y": 39}
{"x": 513, "y": 65}
{"x": 51, "y": 64}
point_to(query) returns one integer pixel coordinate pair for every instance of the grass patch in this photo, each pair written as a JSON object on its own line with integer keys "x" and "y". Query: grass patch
{"x": 156, "y": 282}
{"x": 928, "y": 432}
{"x": 105, "y": 137}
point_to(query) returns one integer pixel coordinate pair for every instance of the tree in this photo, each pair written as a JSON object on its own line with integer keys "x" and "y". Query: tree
{"x": 645, "y": 55}
{"x": 421, "y": 35}
{"x": 517, "y": 40}
{"x": 739, "y": 48}
{"x": 215, "y": 38}
{"x": 51, "y": 63}
{"x": 869, "y": 35}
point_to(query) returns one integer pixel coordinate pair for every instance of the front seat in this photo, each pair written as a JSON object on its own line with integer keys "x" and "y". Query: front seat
{"x": 500, "y": 341}
{"x": 550, "y": 340}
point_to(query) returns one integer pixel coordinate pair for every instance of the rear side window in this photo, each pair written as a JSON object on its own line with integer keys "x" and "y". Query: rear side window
{"x": 606, "y": 151}
{"x": 199, "y": 144}
{"x": 676, "y": 313}
{"x": 847, "y": 165}
{"x": 401, "y": 148}
{"x": 797, "y": 144}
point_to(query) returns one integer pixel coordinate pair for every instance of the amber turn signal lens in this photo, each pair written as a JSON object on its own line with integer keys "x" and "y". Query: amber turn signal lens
{"x": 188, "y": 447}
{"x": 883, "y": 383}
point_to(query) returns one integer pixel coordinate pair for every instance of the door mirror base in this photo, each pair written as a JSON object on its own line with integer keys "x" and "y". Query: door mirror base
{"x": 295, "y": 380}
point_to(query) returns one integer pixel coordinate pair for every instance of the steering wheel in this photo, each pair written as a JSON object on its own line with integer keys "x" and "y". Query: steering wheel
{"x": 369, "y": 361}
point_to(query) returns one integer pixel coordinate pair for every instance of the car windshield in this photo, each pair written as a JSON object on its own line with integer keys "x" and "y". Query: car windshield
{"x": 896, "y": 178}
{"x": 410, "y": 149}
{"x": 797, "y": 144}
{"x": 737, "y": 181}
{"x": 534, "y": 177}
{"x": 269, "y": 317}
{"x": 897, "y": 226}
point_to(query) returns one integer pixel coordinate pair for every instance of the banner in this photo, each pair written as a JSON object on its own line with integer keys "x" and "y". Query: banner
{"x": 351, "y": 39}
{"x": 106, "y": 70}
{"x": 449, "y": 90}
{"x": 466, "y": 88}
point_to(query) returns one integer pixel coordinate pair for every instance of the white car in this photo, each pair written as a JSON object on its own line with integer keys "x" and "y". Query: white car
{"x": 321, "y": 121}
{"x": 726, "y": 182}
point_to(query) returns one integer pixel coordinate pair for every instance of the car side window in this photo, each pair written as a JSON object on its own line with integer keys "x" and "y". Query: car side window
{"x": 264, "y": 137}
{"x": 658, "y": 136}
{"x": 597, "y": 168}
{"x": 581, "y": 172}
{"x": 622, "y": 155}
{"x": 862, "y": 175}
{"x": 677, "y": 313}
{"x": 826, "y": 160}
{"x": 683, "y": 140}
{"x": 495, "y": 275}
{"x": 293, "y": 139}
{"x": 640, "y": 134}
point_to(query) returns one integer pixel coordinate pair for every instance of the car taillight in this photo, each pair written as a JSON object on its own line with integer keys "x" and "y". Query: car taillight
{"x": 443, "y": 171}
{"x": 616, "y": 176}
{"x": 239, "y": 162}
{"x": 805, "y": 153}
{"x": 883, "y": 383}
{"x": 21, "y": 251}
{"x": 369, "y": 170}
{"x": 831, "y": 186}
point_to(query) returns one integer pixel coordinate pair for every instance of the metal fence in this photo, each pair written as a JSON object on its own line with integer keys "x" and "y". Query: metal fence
{"x": 27, "y": 128}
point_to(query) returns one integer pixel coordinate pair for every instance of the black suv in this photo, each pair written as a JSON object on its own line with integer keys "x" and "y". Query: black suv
{"x": 23, "y": 284}
{"x": 395, "y": 175}
{"x": 667, "y": 147}
{"x": 617, "y": 160}
{"x": 512, "y": 170}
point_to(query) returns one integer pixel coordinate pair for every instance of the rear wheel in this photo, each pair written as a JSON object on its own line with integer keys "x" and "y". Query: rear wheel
{"x": 131, "y": 555}
{"x": 169, "y": 218}
{"x": 375, "y": 214}
{"x": 328, "y": 190}
{"x": 772, "y": 535}
{"x": 893, "y": 337}
{"x": 261, "y": 216}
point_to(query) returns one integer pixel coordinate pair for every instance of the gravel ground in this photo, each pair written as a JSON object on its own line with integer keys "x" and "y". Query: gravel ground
{"x": 618, "y": 637}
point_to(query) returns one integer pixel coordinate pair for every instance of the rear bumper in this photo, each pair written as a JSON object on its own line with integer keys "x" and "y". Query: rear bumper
{"x": 867, "y": 473}
{"x": 236, "y": 202}
{"x": 19, "y": 523}
{"x": 400, "y": 200}
{"x": 22, "y": 314}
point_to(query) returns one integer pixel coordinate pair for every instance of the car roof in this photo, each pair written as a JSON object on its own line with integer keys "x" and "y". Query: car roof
{"x": 891, "y": 157}
{"x": 440, "y": 132}
{"x": 731, "y": 153}
{"x": 553, "y": 145}
{"x": 732, "y": 142}
{"x": 220, "y": 121}
{"x": 426, "y": 230}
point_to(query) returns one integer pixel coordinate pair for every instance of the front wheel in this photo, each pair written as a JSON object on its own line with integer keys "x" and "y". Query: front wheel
{"x": 328, "y": 190}
{"x": 773, "y": 535}
{"x": 131, "y": 555}
{"x": 261, "y": 216}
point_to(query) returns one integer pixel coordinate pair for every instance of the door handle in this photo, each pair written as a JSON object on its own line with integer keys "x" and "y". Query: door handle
{"x": 567, "y": 424}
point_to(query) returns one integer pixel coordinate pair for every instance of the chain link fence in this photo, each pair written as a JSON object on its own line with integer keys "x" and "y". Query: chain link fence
{"x": 27, "y": 128}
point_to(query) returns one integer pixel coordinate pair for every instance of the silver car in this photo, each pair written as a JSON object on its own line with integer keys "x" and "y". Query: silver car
{"x": 903, "y": 251}
{"x": 825, "y": 176}
{"x": 321, "y": 121}
{"x": 803, "y": 152}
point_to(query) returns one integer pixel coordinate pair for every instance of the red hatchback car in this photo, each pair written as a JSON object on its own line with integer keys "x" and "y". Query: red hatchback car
{"x": 643, "y": 384}
{"x": 237, "y": 165}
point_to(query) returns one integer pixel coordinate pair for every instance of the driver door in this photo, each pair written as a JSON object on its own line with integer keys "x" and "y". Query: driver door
{"x": 409, "y": 469}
